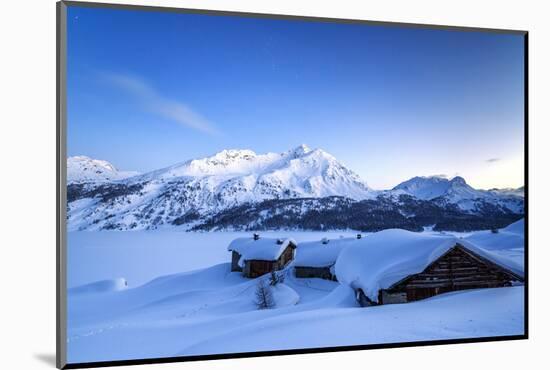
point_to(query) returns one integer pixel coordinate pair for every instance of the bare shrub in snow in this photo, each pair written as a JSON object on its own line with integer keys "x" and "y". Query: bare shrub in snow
{"x": 264, "y": 295}
{"x": 276, "y": 278}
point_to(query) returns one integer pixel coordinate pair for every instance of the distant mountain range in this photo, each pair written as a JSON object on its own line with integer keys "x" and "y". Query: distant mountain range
{"x": 298, "y": 189}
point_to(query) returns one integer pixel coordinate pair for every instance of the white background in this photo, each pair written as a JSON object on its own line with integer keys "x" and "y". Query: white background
{"x": 27, "y": 186}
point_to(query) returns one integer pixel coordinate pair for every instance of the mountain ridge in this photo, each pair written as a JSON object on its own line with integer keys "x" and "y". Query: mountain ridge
{"x": 195, "y": 191}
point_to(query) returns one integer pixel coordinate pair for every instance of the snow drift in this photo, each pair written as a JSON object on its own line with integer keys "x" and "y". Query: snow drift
{"x": 103, "y": 286}
{"x": 212, "y": 310}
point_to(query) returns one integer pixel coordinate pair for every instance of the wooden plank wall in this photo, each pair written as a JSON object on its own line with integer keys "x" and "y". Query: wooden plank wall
{"x": 456, "y": 270}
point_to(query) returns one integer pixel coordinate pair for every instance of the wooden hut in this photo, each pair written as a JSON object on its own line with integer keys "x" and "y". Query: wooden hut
{"x": 397, "y": 266}
{"x": 316, "y": 259}
{"x": 458, "y": 269}
{"x": 258, "y": 256}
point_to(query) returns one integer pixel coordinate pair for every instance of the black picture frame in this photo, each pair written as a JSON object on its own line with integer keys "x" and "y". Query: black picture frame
{"x": 61, "y": 196}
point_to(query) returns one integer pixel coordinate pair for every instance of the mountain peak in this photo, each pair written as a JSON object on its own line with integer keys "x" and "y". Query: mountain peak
{"x": 455, "y": 190}
{"x": 458, "y": 180}
{"x": 300, "y": 150}
{"x": 82, "y": 169}
{"x": 85, "y": 160}
{"x": 231, "y": 154}
{"x": 430, "y": 187}
{"x": 240, "y": 175}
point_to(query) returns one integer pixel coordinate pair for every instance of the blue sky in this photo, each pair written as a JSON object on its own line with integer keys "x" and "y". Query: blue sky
{"x": 150, "y": 89}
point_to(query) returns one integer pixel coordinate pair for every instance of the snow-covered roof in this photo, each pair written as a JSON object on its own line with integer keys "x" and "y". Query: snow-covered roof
{"x": 507, "y": 247}
{"x": 386, "y": 257}
{"x": 317, "y": 254}
{"x": 267, "y": 249}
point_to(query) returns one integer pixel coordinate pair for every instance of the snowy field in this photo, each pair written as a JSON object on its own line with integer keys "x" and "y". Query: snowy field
{"x": 163, "y": 294}
{"x": 140, "y": 256}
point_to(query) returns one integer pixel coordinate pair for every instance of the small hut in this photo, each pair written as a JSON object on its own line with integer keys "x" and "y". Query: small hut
{"x": 258, "y": 256}
{"x": 397, "y": 266}
{"x": 317, "y": 259}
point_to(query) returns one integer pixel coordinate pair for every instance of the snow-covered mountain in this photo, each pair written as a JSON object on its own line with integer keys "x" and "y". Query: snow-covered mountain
{"x": 218, "y": 190}
{"x": 431, "y": 187}
{"x": 457, "y": 191}
{"x": 82, "y": 169}
{"x": 519, "y": 192}
{"x": 202, "y": 187}
{"x": 242, "y": 175}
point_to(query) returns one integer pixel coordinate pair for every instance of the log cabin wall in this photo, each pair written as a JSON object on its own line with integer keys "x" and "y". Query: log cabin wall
{"x": 255, "y": 268}
{"x": 458, "y": 269}
{"x": 390, "y": 298}
{"x": 314, "y": 272}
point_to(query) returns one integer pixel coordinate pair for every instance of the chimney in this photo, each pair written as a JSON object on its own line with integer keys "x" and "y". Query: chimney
{"x": 359, "y": 236}
{"x": 256, "y": 236}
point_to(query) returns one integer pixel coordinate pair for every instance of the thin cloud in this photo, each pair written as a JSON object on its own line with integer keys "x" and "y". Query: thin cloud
{"x": 156, "y": 103}
{"x": 492, "y": 160}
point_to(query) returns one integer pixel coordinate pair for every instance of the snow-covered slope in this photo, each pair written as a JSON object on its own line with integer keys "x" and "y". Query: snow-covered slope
{"x": 82, "y": 169}
{"x": 469, "y": 314}
{"x": 102, "y": 286}
{"x": 212, "y": 310}
{"x": 182, "y": 193}
{"x": 517, "y": 227}
{"x": 242, "y": 175}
